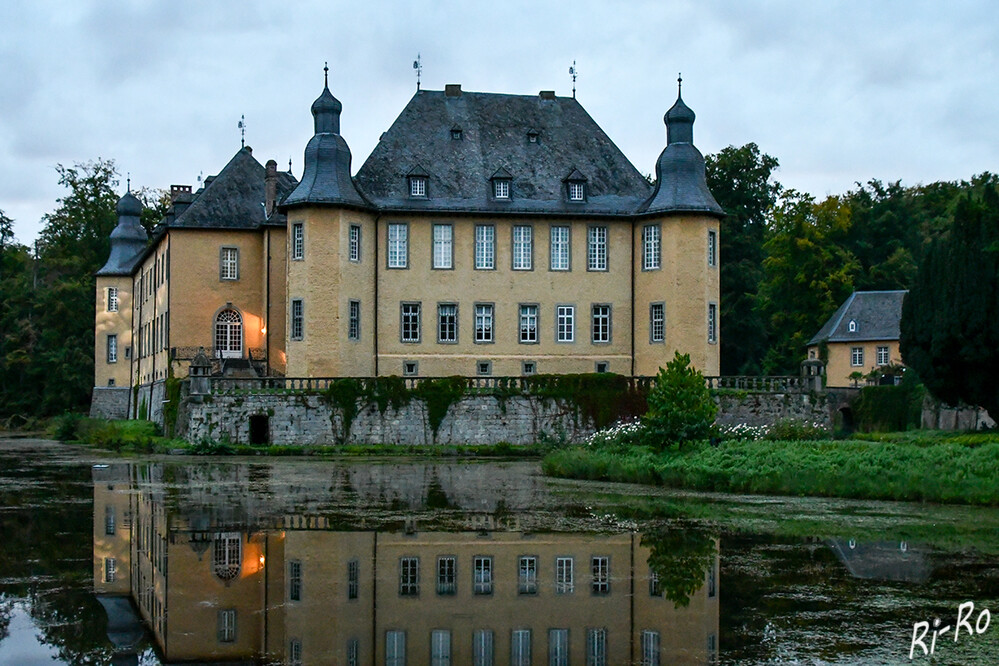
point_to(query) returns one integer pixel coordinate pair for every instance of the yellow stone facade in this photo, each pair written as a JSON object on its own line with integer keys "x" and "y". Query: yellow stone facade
{"x": 841, "y": 355}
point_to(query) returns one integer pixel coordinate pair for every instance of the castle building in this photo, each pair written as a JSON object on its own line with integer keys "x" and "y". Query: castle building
{"x": 486, "y": 234}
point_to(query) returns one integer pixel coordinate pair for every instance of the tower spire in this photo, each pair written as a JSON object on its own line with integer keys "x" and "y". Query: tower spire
{"x": 573, "y": 72}
{"x": 326, "y": 74}
{"x": 679, "y": 84}
{"x": 418, "y": 66}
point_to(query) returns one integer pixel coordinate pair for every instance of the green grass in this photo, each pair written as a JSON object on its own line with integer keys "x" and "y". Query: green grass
{"x": 913, "y": 469}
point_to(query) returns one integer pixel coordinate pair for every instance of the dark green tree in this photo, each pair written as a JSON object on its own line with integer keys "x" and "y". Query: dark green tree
{"x": 807, "y": 275}
{"x": 17, "y": 333}
{"x": 741, "y": 181}
{"x": 680, "y": 406}
{"x": 883, "y": 234}
{"x": 949, "y": 329}
{"x": 680, "y": 558}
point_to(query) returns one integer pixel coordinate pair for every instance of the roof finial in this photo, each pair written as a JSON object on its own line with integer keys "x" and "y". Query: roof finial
{"x": 679, "y": 83}
{"x": 573, "y": 71}
{"x": 289, "y": 165}
{"x": 326, "y": 74}
{"x": 242, "y": 130}
{"x": 418, "y": 66}
{"x": 128, "y": 181}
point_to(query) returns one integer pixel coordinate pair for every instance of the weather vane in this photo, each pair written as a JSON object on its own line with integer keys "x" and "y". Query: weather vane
{"x": 128, "y": 181}
{"x": 679, "y": 83}
{"x": 418, "y": 66}
{"x": 573, "y": 72}
{"x": 242, "y": 131}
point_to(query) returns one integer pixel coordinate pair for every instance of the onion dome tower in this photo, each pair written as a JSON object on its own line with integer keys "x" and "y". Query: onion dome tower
{"x": 128, "y": 239}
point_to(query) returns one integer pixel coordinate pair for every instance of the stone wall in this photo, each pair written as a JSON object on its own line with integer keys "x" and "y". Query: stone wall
{"x": 151, "y": 396}
{"x": 756, "y": 409}
{"x": 110, "y": 402}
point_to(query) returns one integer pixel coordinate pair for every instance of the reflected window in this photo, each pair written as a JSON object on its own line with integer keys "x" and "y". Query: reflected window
{"x": 712, "y": 582}
{"x": 395, "y": 648}
{"x": 601, "y": 575}
{"x": 409, "y": 576}
{"x": 558, "y": 647}
{"x": 227, "y": 625}
{"x": 353, "y": 579}
{"x": 650, "y": 648}
{"x": 563, "y": 575}
{"x": 110, "y": 569}
{"x": 228, "y": 555}
{"x": 295, "y": 580}
{"x": 528, "y": 576}
{"x": 352, "y": 651}
{"x": 440, "y": 647}
{"x": 596, "y": 647}
{"x": 655, "y": 589}
{"x": 482, "y": 647}
{"x": 295, "y": 652}
{"x": 520, "y": 647}
{"x": 482, "y": 575}
{"x": 447, "y": 582}
{"x": 109, "y": 520}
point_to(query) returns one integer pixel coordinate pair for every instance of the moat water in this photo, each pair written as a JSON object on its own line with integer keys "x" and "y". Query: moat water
{"x": 156, "y": 560}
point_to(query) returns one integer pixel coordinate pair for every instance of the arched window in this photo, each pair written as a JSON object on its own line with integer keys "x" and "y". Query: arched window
{"x": 853, "y": 326}
{"x": 229, "y": 334}
{"x": 228, "y": 555}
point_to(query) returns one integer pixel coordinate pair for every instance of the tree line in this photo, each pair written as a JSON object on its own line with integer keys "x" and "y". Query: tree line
{"x": 788, "y": 260}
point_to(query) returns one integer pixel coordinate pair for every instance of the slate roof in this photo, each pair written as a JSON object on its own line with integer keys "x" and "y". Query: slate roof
{"x": 234, "y": 198}
{"x": 128, "y": 238}
{"x": 494, "y": 136}
{"x": 877, "y": 314}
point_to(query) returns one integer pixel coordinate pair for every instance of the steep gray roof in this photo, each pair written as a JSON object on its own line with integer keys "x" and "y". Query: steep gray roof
{"x": 128, "y": 238}
{"x": 234, "y": 198}
{"x": 494, "y": 136}
{"x": 877, "y": 315}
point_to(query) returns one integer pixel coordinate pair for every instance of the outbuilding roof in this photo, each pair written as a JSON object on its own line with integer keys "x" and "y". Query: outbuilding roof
{"x": 875, "y": 315}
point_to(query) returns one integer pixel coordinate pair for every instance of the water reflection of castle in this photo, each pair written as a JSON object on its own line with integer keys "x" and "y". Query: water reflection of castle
{"x": 224, "y": 579}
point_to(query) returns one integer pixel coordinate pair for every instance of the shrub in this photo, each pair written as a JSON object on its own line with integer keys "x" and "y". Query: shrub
{"x": 619, "y": 437}
{"x": 65, "y": 426}
{"x": 795, "y": 430}
{"x": 680, "y": 405}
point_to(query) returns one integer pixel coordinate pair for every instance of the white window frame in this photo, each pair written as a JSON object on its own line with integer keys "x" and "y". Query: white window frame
{"x": 418, "y": 186}
{"x": 856, "y": 357}
{"x": 520, "y": 647}
{"x": 527, "y": 574}
{"x": 398, "y": 245}
{"x": 298, "y": 241}
{"x": 565, "y": 323}
{"x": 112, "y": 299}
{"x": 712, "y": 248}
{"x": 353, "y": 579}
{"x": 295, "y": 652}
{"x": 395, "y": 647}
{"x": 410, "y": 325}
{"x": 577, "y": 190}
{"x": 501, "y": 188}
{"x": 353, "y": 319}
{"x": 228, "y": 264}
{"x": 409, "y": 576}
{"x": 447, "y": 575}
{"x": 560, "y": 248}
{"x": 440, "y": 647}
{"x": 883, "y": 355}
{"x": 651, "y": 247}
{"x": 483, "y": 647}
{"x": 650, "y": 648}
{"x": 485, "y": 323}
{"x": 112, "y": 347}
{"x": 523, "y": 248}
{"x": 712, "y": 323}
{"x": 110, "y": 569}
{"x": 353, "y": 646}
{"x": 600, "y": 323}
{"x": 564, "y": 583}
{"x": 485, "y": 247}
{"x": 443, "y": 236}
{"x": 482, "y": 575}
{"x": 558, "y": 647}
{"x": 109, "y": 520}
{"x": 294, "y": 580}
{"x": 297, "y": 319}
{"x": 447, "y": 323}
{"x": 227, "y": 625}
{"x": 657, "y": 322}
{"x": 600, "y": 569}
{"x": 596, "y": 249}
{"x": 596, "y": 646}
{"x": 528, "y": 323}
{"x": 354, "y": 243}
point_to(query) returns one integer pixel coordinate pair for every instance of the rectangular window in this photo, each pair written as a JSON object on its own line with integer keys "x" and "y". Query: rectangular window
{"x": 295, "y": 580}
{"x": 447, "y": 322}
{"x": 228, "y": 264}
{"x": 527, "y": 576}
{"x": 298, "y": 241}
{"x": 657, "y": 322}
{"x": 565, "y": 326}
{"x": 109, "y": 520}
{"x": 485, "y": 247}
{"x": 112, "y": 348}
{"x": 354, "y": 320}
{"x": 857, "y": 356}
{"x": 484, "y": 368}
{"x": 528, "y": 324}
{"x": 563, "y": 575}
{"x": 410, "y": 325}
{"x": 409, "y": 576}
{"x": 576, "y": 192}
{"x": 440, "y": 647}
{"x": 354, "y": 243}
{"x": 520, "y": 647}
{"x": 712, "y": 323}
{"x": 484, "y": 322}
{"x": 601, "y": 575}
{"x": 110, "y": 569}
{"x": 651, "y": 247}
{"x": 395, "y": 648}
{"x": 601, "y": 329}
{"x": 482, "y": 574}
{"x": 227, "y": 625}
{"x": 712, "y": 248}
{"x": 398, "y": 246}
{"x": 482, "y": 647}
{"x": 501, "y": 189}
{"x": 112, "y": 299}
{"x": 712, "y": 582}
{"x": 352, "y": 652}
{"x": 655, "y": 589}
{"x": 410, "y": 368}
{"x": 447, "y": 581}
{"x": 353, "y": 579}
{"x": 297, "y": 319}
{"x": 522, "y": 248}
{"x": 443, "y": 246}
{"x": 558, "y": 647}
{"x": 417, "y": 186}
{"x": 883, "y": 356}
{"x": 295, "y": 652}
{"x": 650, "y": 648}
{"x": 596, "y": 249}
{"x": 596, "y": 647}
{"x": 560, "y": 248}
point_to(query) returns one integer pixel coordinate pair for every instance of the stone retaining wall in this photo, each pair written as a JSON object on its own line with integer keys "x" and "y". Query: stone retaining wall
{"x": 757, "y": 409}
{"x": 110, "y": 402}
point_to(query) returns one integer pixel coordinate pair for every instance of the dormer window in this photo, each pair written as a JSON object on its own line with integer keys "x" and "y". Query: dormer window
{"x": 532, "y": 136}
{"x": 852, "y": 326}
{"x": 456, "y": 133}
{"x": 501, "y": 181}
{"x": 417, "y": 186}
{"x": 576, "y": 192}
{"x": 575, "y": 187}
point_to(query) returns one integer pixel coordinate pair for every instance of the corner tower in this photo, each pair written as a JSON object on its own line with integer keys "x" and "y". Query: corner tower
{"x": 331, "y": 258}
{"x": 677, "y": 261}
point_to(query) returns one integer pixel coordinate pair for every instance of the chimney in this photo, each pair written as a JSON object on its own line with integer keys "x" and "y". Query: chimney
{"x": 270, "y": 187}
{"x": 547, "y": 94}
{"x": 180, "y": 198}
{"x": 452, "y": 90}
{"x": 178, "y": 191}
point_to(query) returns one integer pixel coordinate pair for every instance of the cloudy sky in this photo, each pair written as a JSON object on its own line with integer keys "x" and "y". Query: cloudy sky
{"x": 839, "y": 92}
